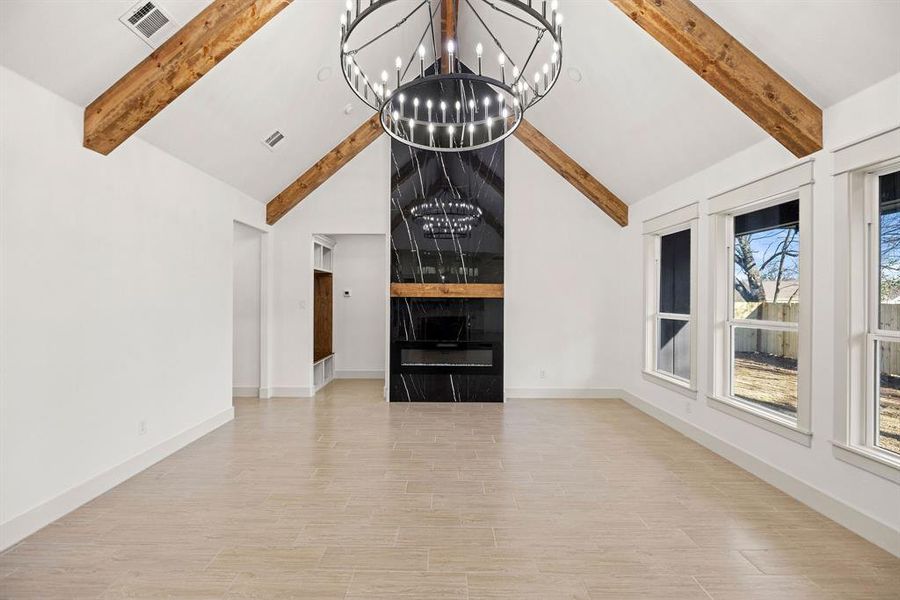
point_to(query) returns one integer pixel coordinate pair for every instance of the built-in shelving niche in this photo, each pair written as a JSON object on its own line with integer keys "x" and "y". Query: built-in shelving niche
{"x": 323, "y": 312}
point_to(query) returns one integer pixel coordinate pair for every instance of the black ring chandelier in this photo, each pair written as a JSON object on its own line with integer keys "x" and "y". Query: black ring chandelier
{"x": 446, "y": 216}
{"x": 443, "y": 105}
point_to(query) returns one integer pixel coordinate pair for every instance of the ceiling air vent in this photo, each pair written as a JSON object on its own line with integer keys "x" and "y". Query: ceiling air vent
{"x": 272, "y": 141}
{"x": 149, "y": 22}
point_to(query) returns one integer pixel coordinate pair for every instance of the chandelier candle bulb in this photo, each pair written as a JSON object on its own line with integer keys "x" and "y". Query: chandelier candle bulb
{"x": 431, "y": 133}
{"x": 356, "y": 77}
{"x": 451, "y": 47}
{"x": 422, "y": 60}
{"x": 490, "y": 124}
{"x": 471, "y": 134}
{"x": 416, "y": 108}
{"x": 554, "y": 58}
{"x": 396, "y": 116}
{"x": 479, "y": 50}
{"x": 357, "y": 9}
{"x": 458, "y": 107}
{"x": 412, "y": 127}
{"x": 428, "y": 105}
{"x": 544, "y": 9}
{"x": 443, "y": 111}
{"x": 399, "y": 64}
{"x": 502, "y": 60}
{"x": 554, "y": 6}
{"x": 546, "y": 71}
{"x": 472, "y": 109}
{"x": 349, "y": 13}
{"x": 451, "y": 131}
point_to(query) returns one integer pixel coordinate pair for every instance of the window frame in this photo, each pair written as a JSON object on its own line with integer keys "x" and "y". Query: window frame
{"x": 794, "y": 183}
{"x": 857, "y": 266}
{"x": 685, "y": 218}
{"x": 874, "y": 333}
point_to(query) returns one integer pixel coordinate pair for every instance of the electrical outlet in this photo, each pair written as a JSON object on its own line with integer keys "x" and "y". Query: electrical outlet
{"x": 142, "y": 427}
{"x": 346, "y": 293}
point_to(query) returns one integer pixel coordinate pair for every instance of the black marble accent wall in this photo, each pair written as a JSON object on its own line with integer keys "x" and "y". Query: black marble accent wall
{"x": 450, "y": 349}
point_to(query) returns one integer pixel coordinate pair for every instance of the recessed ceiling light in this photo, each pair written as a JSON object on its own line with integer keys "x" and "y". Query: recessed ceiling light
{"x": 348, "y": 109}
{"x": 324, "y": 74}
{"x": 575, "y": 74}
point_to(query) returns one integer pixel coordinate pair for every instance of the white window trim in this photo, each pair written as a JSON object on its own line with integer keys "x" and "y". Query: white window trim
{"x": 789, "y": 184}
{"x": 856, "y": 165}
{"x": 682, "y": 219}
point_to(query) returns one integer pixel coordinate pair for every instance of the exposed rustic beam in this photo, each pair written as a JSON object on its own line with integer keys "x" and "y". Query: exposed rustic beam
{"x": 737, "y": 73}
{"x": 446, "y": 290}
{"x": 172, "y": 68}
{"x": 327, "y": 166}
{"x": 449, "y": 22}
{"x": 572, "y": 172}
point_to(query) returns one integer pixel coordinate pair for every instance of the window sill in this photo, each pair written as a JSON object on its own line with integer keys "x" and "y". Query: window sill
{"x": 676, "y": 385}
{"x": 875, "y": 461}
{"x": 761, "y": 419}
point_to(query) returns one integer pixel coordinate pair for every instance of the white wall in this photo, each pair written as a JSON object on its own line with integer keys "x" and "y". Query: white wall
{"x": 563, "y": 285}
{"x": 870, "y": 111}
{"x": 354, "y": 201}
{"x": 246, "y": 307}
{"x": 359, "y": 321}
{"x": 115, "y": 307}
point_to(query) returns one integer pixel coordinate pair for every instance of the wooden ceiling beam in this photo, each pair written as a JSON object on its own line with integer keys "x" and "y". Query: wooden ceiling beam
{"x": 449, "y": 23}
{"x": 727, "y": 65}
{"x": 572, "y": 172}
{"x": 172, "y": 68}
{"x": 327, "y": 166}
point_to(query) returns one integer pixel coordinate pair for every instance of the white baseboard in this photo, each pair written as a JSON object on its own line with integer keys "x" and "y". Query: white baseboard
{"x": 291, "y": 392}
{"x": 359, "y": 374}
{"x": 868, "y": 527}
{"x": 245, "y": 392}
{"x": 20, "y": 527}
{"x": 562, "y": 393}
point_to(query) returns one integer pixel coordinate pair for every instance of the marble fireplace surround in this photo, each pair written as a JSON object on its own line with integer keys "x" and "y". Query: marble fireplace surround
{"x": 446, "y": 303}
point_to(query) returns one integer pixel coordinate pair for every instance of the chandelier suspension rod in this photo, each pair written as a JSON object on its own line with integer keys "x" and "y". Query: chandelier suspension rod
{"x": 512, "y": 16}
{"x": 390, "y": 29}
{"x": 422, "y": 39}
{"x": 493, "y": 37}
{"x": 537, "y": 42}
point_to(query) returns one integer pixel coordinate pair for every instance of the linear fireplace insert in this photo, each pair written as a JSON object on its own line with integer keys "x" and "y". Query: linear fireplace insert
{"x": 447, "y": 357}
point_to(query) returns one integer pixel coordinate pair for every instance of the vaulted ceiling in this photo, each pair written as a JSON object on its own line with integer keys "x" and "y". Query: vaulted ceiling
{"x": 638, "y": 119}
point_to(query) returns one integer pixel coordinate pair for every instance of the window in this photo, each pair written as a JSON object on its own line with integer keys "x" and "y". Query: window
{"x": 673, "y": 319}
{"x": 884, "y": 323}
{"x": 766, "y": 307}
{"x": 761, "y": 330}
{"x": 671, "y": 274}
{"x": 867, "y": 271}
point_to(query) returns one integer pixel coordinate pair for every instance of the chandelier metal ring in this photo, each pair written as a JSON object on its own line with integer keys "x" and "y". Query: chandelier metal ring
{"x": 473, "y": 109}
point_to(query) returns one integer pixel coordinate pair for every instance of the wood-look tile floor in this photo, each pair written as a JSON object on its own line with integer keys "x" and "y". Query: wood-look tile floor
{"x": 344, "y": 496}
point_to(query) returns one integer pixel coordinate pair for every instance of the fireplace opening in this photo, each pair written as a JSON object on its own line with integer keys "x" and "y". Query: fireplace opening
{"x": 446, "y": 357}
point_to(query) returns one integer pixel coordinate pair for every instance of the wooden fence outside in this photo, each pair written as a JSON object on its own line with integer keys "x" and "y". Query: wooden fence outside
{"x": 784, "y": 344}
{"x": 777, "y": 343}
